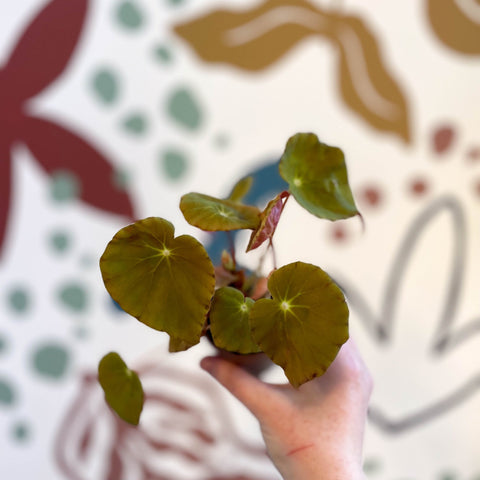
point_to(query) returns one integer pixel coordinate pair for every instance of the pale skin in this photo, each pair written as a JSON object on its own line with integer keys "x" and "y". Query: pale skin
{"x": 315, "y": 431}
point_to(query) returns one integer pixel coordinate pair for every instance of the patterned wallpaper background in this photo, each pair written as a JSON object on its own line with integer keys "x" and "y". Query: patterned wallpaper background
{"x": 110, "y": 110}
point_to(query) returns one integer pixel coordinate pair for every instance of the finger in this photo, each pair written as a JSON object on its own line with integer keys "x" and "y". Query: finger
{"x": 259, "y": 397}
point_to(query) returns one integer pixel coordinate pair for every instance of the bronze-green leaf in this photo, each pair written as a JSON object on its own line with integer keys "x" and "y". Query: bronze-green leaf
{"x": 240, "y": 189}
{"x": 213, "y": 214}
{"x": 317, "y": 176}
{"x": 304, "y": 324}
{"x": 229, "y": 324}
{"x": 122, "y": 387}
{"x": 165, "y": 282}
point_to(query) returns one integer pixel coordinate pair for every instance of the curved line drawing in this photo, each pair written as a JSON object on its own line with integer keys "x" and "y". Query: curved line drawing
{"x": 445, "y": 337}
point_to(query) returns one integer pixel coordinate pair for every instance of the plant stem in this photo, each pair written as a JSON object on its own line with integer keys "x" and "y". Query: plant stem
{"x": 231, "y": 244}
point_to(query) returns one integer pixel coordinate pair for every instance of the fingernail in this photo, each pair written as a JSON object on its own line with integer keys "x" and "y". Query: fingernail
{"x": 209, "y": 365}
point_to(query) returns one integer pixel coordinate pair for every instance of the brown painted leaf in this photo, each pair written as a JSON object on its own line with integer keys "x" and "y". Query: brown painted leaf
{"x": 164, "y": 281}
{"x": 456, "y": 24}
{"x": 251, "y": 39}
{"x": 269, "y": 219}
{"x": 367, "y": 86}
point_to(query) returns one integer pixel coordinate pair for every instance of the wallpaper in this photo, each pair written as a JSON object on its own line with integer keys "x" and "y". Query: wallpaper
{"x": 110, "y": 110}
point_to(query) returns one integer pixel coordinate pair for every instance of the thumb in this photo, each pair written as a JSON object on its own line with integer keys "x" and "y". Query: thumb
{"x": 259, "y": 397}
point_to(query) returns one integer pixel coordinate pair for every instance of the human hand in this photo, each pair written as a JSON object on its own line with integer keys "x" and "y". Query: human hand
{"x": 315, "y": 431}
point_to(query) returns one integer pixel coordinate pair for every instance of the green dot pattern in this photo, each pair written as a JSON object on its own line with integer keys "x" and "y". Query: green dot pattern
{"x": 105, "y": 86}
{"x": 19, "y": 300}
{"x": 121, "y": 179}
{"x": 135, "y": 124}
{"x": 183, "y": 108}
{"x": 3, "y": 344}
{"x": 174, "y": 164}
{"x": 64, "y": 187}
{"x": 129, "y": 16}
{"x": 50, "y": 361}
{"x": 163, "y": 54}
{"x": 74, "y": 297}
{"x": 7, "y": 394}
{"x": 59, "y": 241}
{"x": 20, "y": 432}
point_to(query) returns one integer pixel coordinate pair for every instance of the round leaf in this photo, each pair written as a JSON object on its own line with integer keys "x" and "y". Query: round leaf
{"x": 122, "y": 387}
{"x": 165, "y": 282}
{"x": 240, "y": 189}
{"x": 229, "y": 321}
{"x": 212, "y": 214}
{"x": 317, "y": 177}
{"x": 305, "y": 323}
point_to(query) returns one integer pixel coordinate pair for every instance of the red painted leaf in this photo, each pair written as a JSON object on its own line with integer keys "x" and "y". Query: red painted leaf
{"x": 44, "y": 49}
{"x": 269, "y": 221}
{"x": 57, "y": 149}
{"x": 5, "y": 187}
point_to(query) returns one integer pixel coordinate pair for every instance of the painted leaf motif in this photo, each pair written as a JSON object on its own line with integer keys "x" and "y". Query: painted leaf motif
{"x": 165, "y": 282}
{"x": 122, "y": 387}
{"x": 317, "y": 176}
{"x": 366, "y": 85}
{"x": 240, "y": 189}
{"x": 45, "y": 48}
{"x": 304, "y": 324}
{"x": 456, "y": 24}
{"x": 229, "y": 324}
{"x": 251, "y": 39}
{"x": 269, "y": 221}
{"x": 57, "y": 149}
{"x": 213, "y": 214}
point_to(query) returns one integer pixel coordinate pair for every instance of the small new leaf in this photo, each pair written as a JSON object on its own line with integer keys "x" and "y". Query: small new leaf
{"x": 317, "y": 177}
{"x": 229, "y": 324}
{"x": 122, "y": 387}
{"x": 240, "y": 189}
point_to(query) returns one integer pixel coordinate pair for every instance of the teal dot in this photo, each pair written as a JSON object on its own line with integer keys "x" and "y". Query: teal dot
{"x": 372, "y": 466}
{"x": 20, "y": 432}
{"x": 174, "y": 163}
{"x": 121, "y": 179}
{"x": 163, "y": 54}
{"x": 135, "y": 123}
{"x": 447, "y": 476}
{"x": 51, "y": 361}
{"x": 7, "y": 394}
{"x": 184, "y": 109}
{"x": 105, "y": 86}
{"x": 81, "y": 332}
{"x": 74, "y": 296}
{"x": 221, "y": 140}
{"x": 129, "y": 16}
{"x": 19, "y": 300}
{"x": 64, "y": 186}
{"x": 59, "y": 241}
{"x": 175, "y": 2}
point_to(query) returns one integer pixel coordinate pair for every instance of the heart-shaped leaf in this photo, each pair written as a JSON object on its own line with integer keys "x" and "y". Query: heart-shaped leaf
{"x": 229, "y": 321}
{"x": 165, "y": 282}
{"x": 213, "y": 214}
{"x": 122, "y": 387}
{"x": 269, "y": 221}
{"x": 304, "y": 324}
{"x": 317, "y": 176}
{"x": 240, "y": 189}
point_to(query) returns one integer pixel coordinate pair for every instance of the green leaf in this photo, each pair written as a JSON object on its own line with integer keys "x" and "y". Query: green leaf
{"x": 165, "y": 282}
{"x": 269, "y": 221}
{"x": 317, "y": 176}
{"x": 229, "y": 324}
{"x": 212, "y": 214}
{"x": 122, "y": 387}
{"x": 240, "y": 189}
{"x": 305, "y": 323}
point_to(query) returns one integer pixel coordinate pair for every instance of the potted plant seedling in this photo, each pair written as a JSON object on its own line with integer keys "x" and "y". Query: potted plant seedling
{"x": 298, "y": 316}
